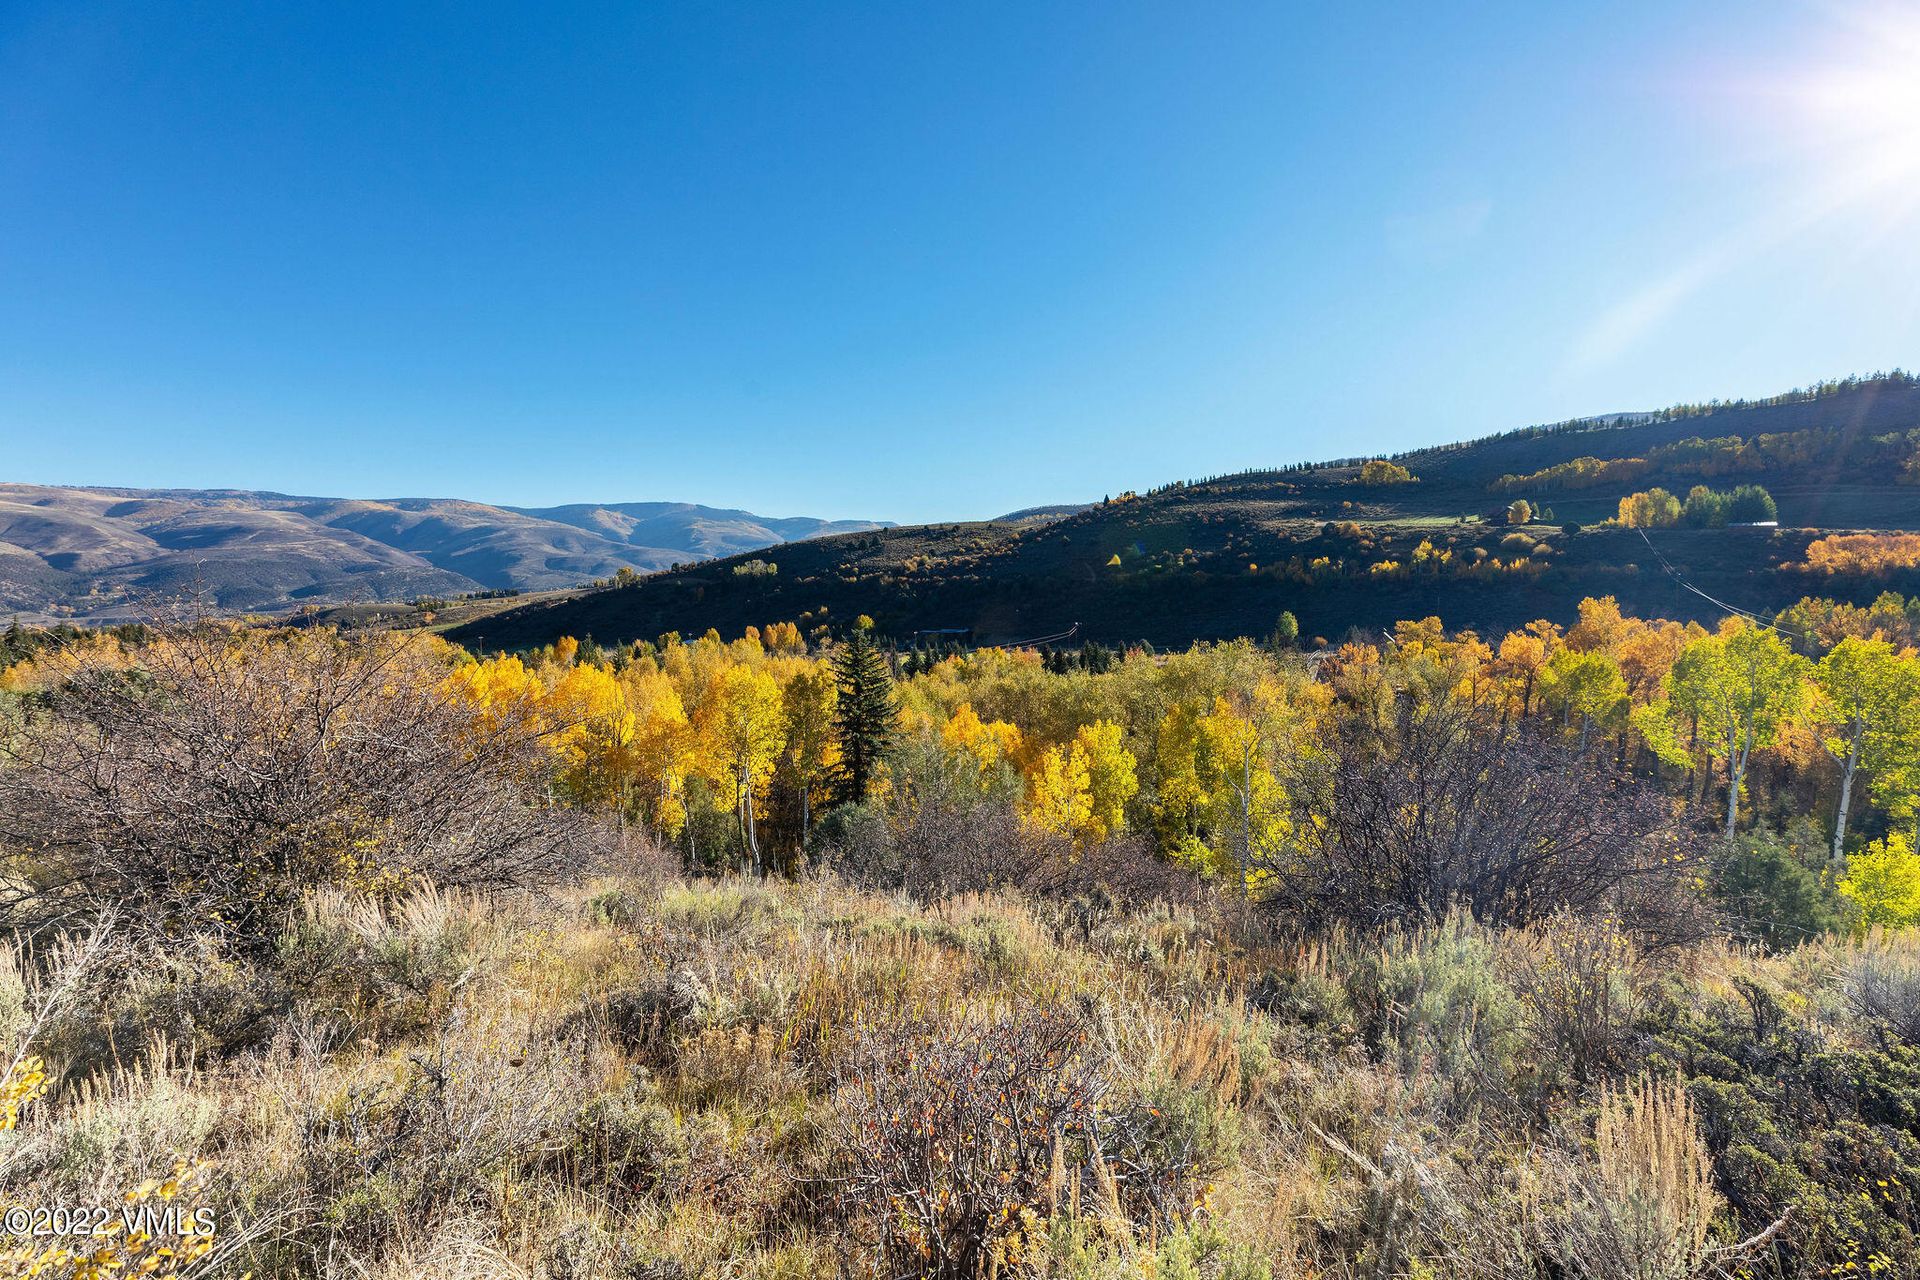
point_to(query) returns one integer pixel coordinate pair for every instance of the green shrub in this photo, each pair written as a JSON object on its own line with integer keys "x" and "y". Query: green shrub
{"x": 630, "y": 1143}
{"x": 1774, "y": 889}
{"x": 1434, "y": 999}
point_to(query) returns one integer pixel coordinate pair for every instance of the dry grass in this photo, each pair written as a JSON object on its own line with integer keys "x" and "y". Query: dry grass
{"x": 629, "y": 1079}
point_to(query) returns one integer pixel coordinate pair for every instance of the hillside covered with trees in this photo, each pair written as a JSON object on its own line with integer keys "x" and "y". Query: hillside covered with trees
{"x": 1492, "y": 533}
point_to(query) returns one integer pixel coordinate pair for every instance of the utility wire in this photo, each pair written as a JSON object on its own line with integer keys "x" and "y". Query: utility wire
{"x": 1068, "y": 634}
{"x": 1715, "y": 601}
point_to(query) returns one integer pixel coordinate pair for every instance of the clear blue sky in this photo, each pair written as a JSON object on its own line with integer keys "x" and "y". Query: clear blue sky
{"x": 918, "y": 261}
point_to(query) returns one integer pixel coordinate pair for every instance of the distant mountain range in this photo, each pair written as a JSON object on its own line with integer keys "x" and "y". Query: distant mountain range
{"x": 96, "y": 554}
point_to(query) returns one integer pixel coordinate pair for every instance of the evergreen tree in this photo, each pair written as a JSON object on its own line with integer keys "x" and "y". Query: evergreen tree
{"x": 866, "y": 717}
{"x": 1750, "y": 503}
{"x": 1286, "y": 631}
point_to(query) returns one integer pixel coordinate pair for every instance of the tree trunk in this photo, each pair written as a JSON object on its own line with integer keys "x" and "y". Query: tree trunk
{"x": 1736, "y": 770}
{"x": 746, "y": 823}
{"x": 1846, "y": 801}
{"x": 1733, "y": 799}
{"x": 1246, "y": 821}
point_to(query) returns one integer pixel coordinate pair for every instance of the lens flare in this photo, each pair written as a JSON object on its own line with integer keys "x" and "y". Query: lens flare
{"x": 1859, "y": 111}
{"x": 1839, "y": 131}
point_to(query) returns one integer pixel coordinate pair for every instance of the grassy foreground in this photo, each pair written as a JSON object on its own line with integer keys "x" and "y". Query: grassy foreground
{"x": 649, "y": 1077}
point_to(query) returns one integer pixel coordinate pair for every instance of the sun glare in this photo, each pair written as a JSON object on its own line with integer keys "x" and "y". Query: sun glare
{"x": 1860, "y": 110}
{"x": 1867, "y": 107}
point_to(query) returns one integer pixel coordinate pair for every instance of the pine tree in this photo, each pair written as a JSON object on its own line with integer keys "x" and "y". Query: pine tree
{"x": 1286, "y": 631}
{"x": 865, "y": 718}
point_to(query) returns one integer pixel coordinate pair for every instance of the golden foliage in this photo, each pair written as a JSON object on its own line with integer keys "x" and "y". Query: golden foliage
{"x": 1863, "y": 553}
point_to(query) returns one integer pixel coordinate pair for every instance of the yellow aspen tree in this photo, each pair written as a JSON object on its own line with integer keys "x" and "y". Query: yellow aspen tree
{"x": 784, "y": 639}
{"x": 1060, "y": 793}
{"x": 1245, "y": 745}
{"x": 1584, "y": 686}
{"x": 1112, "y": 777}
{"x": 1647, "y": 651}
{"x": 1522, "y": 657}
{"x": 1883, "y": 883}
{"x": 662, "y": 747}
{"x": 811, "y": 750}
{"x": 1232, "y": 761}
{"x": 591, "y": 734}
{"x": 743, "y": 730}
{"x": 1601, "y": 626}
{"x": 1740, "y": 688}
{"x": 988, "y": 744}
{"x": 1889, "y": 748}
{"x": 1859, "y": 697}
{"x": 1180, "y": 809}
{"x": 500, "y": 689}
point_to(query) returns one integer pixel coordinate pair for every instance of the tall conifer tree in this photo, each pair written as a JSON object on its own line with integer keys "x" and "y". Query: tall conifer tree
{"x": 865, "y": 717}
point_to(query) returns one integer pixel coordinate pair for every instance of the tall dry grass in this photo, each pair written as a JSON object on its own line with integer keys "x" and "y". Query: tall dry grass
{"x": 635, "y": 1078}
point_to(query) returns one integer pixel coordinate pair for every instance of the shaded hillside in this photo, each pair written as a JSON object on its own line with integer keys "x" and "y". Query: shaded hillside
{"x": 1223, "y": 557}
{"x": 94, "y": 553}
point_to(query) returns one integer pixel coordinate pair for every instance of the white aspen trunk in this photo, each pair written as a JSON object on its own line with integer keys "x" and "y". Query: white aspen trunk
{"x": 1736, "y": 770}
{"x": 1846, "y": 800}
{"x": 746, "y": 821}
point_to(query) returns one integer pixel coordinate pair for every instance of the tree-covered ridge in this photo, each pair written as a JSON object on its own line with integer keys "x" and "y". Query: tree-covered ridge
{"x": 1217, "y": 558}
{"x": 1892, "y": 452}
{"x": 1817, "y": 395}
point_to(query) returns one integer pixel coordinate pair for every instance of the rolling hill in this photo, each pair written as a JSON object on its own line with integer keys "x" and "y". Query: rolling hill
{"x": 95, "y": 554}
{"x": 1223, "y": 556}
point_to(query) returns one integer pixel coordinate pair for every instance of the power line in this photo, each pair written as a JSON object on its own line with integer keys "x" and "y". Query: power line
{"x": 1715, "y": 601}
{"x": 1068, "y": 634}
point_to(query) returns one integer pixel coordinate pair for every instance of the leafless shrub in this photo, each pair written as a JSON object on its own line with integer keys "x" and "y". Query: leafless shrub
{"x": 1576, "y": 980}
{"x": 1881, "y": 986}
{"x": 971, "y": 849}
{"x": 1433, "y": 808}
{"x": 954, "y": 1140}
{"x": 210, "y": 785}
{"x": 937, "y": 835}
{"x": 1116, "y": 874}
{"x": 941, "y": 837}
